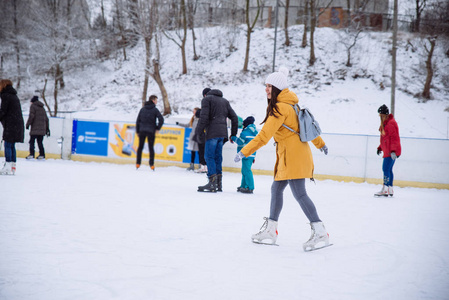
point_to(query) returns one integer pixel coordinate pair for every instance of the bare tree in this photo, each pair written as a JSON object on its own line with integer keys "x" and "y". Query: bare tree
{"x": 249, "y": 28}
{"x": 287, "y": 38}
{"x": 57, "y": 40}
{"x": 181, "y": 36}
{"x": 433, "y": 28}
{"x": 350, "y": 39}
{"x": 119, "y": 22}
{"x": 420, "y": 5}
{"x": 306, "y": 23}
{"x": 314, "y": 4}
{"x": 191, "y": 8}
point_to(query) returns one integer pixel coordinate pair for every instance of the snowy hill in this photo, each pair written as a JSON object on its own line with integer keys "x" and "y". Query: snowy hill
{"x": 345, "y": 100}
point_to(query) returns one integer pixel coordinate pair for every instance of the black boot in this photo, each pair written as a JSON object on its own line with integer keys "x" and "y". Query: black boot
{"x": 211, "y": 186}
{"x": 219, "y": 183}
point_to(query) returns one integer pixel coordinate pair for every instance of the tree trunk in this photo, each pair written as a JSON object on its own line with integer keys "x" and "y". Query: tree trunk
{"x": 60, "y": 76}
{"x": 287, "y": 38}
{"x": 16, "y": 45}
{"x": 306, "y": 24}
{"x": 147, "y": 69}
{"x": 429, "y": 68}
{"x": 184, "y": 38}
{"x": 312, "y": 57}
{"x": 249, "y": 29}
{"x": 44, "y": 99}
{"x": 157, "y": 77}
{"x": 191, "y": 19}
{"x": 55, "y": 95}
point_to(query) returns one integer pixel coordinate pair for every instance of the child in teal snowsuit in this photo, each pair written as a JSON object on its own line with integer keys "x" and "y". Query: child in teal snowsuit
{"x": 248, "y": 133}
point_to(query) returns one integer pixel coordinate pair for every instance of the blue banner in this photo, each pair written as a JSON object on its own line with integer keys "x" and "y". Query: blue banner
{"x": 90, "y": 138}
{"x": 187, "y": 153}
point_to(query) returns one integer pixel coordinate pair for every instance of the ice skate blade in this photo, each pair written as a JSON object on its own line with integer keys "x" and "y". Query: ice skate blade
{"x": 264, "y": 243}
{"x": 314, "y": 249}
{"x": 206, "y": 191}
{"x": 378, "y": 196}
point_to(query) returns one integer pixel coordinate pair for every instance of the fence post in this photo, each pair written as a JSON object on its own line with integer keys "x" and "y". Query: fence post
{"x": 366, "y": 159}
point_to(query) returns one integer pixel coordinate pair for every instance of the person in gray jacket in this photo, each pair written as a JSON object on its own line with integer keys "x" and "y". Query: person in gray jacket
{"x": 38, "y": 120}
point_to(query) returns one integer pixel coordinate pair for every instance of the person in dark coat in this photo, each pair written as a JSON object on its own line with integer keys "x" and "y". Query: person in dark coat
{"x": 201, "y": 140}
{"x": 215, "y": 110}
{"x": 390, "y": 145}
{"x": 149, "y": 122}
{"x": 38, "y": 120}
{"x": 12, "y": 121}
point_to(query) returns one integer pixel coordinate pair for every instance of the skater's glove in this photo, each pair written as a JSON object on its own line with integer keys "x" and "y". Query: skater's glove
{"x": 28, "y": 127}
{"x": 379, "y": 151}
{"x": 238, "y": 157}
{"x": 177, "y": 123}
{"x": 393, "y": 155}
{"x": 48, "y": 133}
{"x": 324, "y": 149}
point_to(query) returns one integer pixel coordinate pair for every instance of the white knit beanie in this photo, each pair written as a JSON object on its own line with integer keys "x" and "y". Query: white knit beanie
{"x": 278, "y": 79}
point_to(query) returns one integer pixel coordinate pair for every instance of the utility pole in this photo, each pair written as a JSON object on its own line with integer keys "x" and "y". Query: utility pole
{"x": 393, "y": 54}
{"x": 275, "y": 33}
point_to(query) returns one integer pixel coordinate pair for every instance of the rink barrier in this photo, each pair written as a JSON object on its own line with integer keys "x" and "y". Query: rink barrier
{"x": 352, "y": 158}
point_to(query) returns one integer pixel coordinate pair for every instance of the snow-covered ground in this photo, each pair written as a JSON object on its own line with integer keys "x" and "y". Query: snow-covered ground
{"x": 72, "y": 230}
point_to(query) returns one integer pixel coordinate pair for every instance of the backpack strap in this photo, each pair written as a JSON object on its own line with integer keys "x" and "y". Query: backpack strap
{"x": 297, "y": 109}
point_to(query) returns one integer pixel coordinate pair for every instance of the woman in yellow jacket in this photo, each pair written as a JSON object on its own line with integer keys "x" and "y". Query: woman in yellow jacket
{"x": 294, "y": 162}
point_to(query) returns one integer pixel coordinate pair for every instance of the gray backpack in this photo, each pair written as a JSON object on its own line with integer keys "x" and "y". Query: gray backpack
{"x": 309, "y": 129}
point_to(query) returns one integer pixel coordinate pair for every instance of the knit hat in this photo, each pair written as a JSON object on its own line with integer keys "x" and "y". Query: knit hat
{"x": 248, "y": 121}
{"x": 383, "y": 110}
{"x": 34, "y": 99}
{"x": 205, "y": 91}
{"x": 278, "y": 79}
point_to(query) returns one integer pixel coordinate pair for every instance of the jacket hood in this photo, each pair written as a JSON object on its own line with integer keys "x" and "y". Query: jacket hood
{"x": 287, "y": 96}
{"x": 216, "y": 93}
{"x": 10, "y": 90}
{"x": 149, "y": 104}
{"x": 38, "y": 103}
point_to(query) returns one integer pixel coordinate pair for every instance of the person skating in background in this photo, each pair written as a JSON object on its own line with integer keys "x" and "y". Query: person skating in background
{"x": 12, "y": 121}
{"x": 201, "y": 140}
{"x": 38, "y": 120}
{"x": 294, "y": 161}
{"x": 215, "y": 110}
{"x": 248, "y": 133}
{"x": 390, "y": 145}
{"x": 148, "y": 123}
{"x": 193, "y": 145}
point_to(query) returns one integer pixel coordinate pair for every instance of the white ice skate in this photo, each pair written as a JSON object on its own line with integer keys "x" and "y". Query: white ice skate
{"x": 13, "y": 168}
{"x": 383, "y": 192}
{"x": 318, "y": 239}
{"x": 268, "y": 233}
{"x": 7, "y": 169}
{"x": 201, "y": 169}
{"x": 390, "y": 191}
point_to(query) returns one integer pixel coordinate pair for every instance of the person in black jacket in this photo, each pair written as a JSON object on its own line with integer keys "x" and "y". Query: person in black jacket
{"x": 149, "y": 122}
{"x": 12, "y": 121}
{"x": 38, "y": 120}
{"x": 215, "y": 110}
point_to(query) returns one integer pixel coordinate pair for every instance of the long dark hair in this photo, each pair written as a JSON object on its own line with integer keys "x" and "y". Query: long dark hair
{"x": 272, "y": 104}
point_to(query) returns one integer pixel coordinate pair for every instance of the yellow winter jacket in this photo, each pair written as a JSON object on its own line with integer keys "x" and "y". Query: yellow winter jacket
{"x": 293, "y": 158}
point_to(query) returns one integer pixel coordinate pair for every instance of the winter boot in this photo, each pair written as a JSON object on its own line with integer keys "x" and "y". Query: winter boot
{"x": 245, "y": 191}
{"x": 383, "y": 192}
{"x": 390, "y": 191}
{"x": 7, "y": 169}
{"x": 318, "y": 239}
{"x": 211, "y": 186}
{"x": 268, "y": 233}
{"x": 219, "y": 183}
{"x": 191, "y": 168}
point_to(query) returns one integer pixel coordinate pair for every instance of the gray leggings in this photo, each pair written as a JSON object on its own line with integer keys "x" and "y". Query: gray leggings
{"x": 298, "y": 187}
